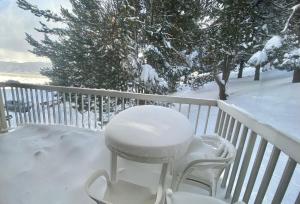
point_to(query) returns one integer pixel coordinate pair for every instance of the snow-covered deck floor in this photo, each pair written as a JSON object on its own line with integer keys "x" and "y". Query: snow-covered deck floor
{"x": 49, "y": 164}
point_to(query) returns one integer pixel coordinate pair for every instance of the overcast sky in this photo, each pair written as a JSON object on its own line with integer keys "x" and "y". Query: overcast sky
{"x": 14, "y": 22}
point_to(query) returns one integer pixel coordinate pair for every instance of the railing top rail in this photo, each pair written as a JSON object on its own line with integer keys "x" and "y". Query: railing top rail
{"x": 286, "y": 143}
{"x": 114, "y": 93}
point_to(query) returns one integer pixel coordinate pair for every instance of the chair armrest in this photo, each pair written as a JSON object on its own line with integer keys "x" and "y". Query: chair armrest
{"x": 91, "y": 180}
{"x": 160, "y": 195}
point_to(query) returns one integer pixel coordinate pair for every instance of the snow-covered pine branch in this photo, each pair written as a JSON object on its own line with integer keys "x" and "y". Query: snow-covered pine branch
{"x": 294, "y": 9}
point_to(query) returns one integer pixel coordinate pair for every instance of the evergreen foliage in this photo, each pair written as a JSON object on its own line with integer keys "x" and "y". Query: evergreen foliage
{"x": 153, "y": 46}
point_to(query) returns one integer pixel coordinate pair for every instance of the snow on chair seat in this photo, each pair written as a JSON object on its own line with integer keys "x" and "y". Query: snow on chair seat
{"x": 122, "y": 192}
{"x": 204, "y": 163}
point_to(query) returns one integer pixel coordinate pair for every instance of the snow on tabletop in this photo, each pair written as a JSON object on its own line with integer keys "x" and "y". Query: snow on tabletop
{"x": 258, "y": 58}
{"x": 149, "y": 131}
{"x": 274, "y": 43}
{"x": 49, "y": 164}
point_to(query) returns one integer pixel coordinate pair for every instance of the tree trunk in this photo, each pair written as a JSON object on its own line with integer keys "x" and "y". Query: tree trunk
{"x": 257, "y": 73}
{"x": 225, "y": 69}
{"x": 222, "y": 88}
{"x": 240, "y": 74}
{"x": 296, "y": 76}
{"x": 151, "y": 11}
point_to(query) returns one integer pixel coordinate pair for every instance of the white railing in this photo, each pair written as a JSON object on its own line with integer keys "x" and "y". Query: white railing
{"x": 259, "y": 146}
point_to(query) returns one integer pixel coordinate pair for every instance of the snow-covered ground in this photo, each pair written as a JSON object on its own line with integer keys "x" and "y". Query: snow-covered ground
{"x": 273, "y": 100}
{"x": 39, "y": 166}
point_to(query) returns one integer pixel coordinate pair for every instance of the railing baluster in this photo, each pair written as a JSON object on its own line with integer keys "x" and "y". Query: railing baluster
{"x": 43, "y": 105}
{"x": 15, "y": 107}
{"x": 123, "y": 104}
{"x": 285, "y": 180}
{"x": 235, "y": 137}
{"x": 236, "y": 133}
{"x": 58, "y": 108}
{"x": 82, "y": 110}
{"x": 23, "y": 105}
{"x": 255, "y": 169}
{"x": 221, "y": 123}
{"x": 237, "y": 162}
{"x": 189, "y": 111}
{"x": 48, "y": 107}
{"x": 28, "y": 105}
{"x": 53, "y": 107}
{"x": 244, "y": 167}
{"x": 89, "y": 111}
{"x": 37, "y": 105}
{"x": 101, "y": 111}
{"x": 19, "y": 107}
{"x": 116, "y": 104}
{"x": 70, "y": 109}
{"x": 218, "y": 120}
{"x": 230, "y": 130}
{"x": 5, "y": 103}
{"x": 267, "y": 176}
{"x": 207, "y": 118}
{"x": 65, "y": 108}
{"x": 33, "y": 106}
{"x": 225, "y": 128}
{"x": 179, "y": 107}
{"x": 197, "y": 119}
{"x": 108, "y": 109}
{"x": 95, "y": 110}
{"x": 76, "y": 109}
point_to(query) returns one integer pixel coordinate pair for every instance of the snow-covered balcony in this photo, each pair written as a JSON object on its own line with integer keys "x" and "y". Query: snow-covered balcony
{"x": 70, "y": 145}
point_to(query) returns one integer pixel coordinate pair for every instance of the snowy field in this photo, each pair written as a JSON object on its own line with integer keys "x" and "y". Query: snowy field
{"x": 52, "y": 168}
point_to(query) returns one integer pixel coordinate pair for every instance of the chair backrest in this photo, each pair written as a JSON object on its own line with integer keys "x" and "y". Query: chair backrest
{"x": 225, "y": 150}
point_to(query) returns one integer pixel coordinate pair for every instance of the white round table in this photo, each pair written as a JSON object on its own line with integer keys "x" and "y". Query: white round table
{"x": 148, "y": 134}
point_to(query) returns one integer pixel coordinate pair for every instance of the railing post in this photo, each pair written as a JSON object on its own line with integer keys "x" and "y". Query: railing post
{"x": 3, "y": 124}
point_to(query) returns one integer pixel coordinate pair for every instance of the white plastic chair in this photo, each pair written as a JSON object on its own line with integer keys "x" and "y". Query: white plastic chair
{"x": 191, "y": 198}
{"x": 204, "y": 163}
{"x": 121, "y": 192}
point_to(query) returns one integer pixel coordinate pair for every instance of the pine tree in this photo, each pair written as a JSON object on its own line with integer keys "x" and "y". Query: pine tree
{"x": 90, "y": 47}
{"x": 227, "y": 29}
{"x": 291, "y": 59}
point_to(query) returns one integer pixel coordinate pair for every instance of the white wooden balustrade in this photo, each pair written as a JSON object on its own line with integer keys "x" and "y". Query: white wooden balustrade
{"x": 93, "y": 108}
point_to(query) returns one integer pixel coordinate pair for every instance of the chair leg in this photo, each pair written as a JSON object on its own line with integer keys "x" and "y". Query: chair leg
{"x": 213, "y": 191}
{"x": 176, "y": 180}
{"x": 113, "y": 167}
